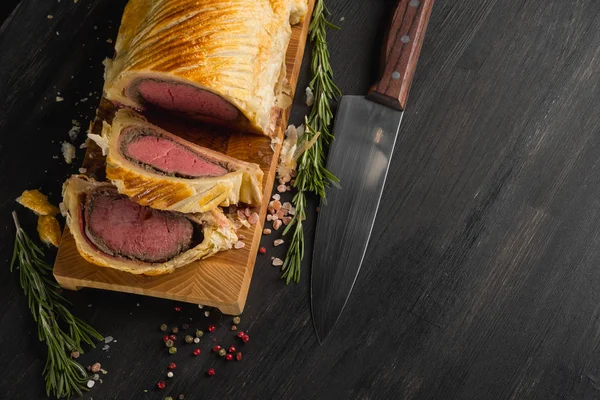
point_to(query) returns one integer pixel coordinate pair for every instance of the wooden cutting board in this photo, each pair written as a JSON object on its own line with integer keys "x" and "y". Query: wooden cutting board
{"x": 223, "y": 280}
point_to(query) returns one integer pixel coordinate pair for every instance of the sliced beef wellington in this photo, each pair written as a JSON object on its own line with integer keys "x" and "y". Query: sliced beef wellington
{"x": 161, "y": 170}
{"x": 112, "y": 231}
{"x": 220, "y": 61}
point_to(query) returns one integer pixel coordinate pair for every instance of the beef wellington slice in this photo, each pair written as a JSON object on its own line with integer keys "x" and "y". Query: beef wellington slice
{"x": 213, "y": 60}
{"x": 112, "y": 231}
{"x": 158, "y": 169}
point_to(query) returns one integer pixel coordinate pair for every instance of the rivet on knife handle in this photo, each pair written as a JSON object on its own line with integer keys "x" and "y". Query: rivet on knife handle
{"x": 404, "y": 41}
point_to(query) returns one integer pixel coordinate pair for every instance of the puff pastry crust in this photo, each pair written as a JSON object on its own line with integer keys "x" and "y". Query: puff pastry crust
{"x": 232, "y": 48}
{"x": 188, "y": 195}
{"x": 219, "y": 233}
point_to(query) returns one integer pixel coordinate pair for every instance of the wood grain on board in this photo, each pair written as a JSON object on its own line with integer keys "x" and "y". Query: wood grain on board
{"x": 223, "y": 280}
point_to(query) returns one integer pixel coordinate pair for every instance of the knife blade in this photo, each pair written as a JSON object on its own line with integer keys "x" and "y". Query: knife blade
{"x": 365, "y": 132}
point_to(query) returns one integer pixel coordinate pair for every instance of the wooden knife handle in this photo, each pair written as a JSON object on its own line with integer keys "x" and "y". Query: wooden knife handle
{"x": 402, "y": 49}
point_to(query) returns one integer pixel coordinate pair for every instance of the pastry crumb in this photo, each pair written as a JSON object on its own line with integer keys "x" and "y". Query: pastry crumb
{"x": 49, "y": 230}
{"x": 37, "y": 202}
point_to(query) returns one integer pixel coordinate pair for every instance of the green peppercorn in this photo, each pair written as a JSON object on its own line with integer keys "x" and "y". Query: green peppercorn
{"x": 222, "y": 352}
{"x": 175, "y": 329}
{"x": 199, "y": 333}
{"x": 172, "y": 350}
{"x": 168, "y": 398}
{"x": 164, "y": 327}
{"x": 181, "y": 397}
{"x": 169, "y": 343}
{"x": 184, "y": 326}
{"x": 236, "y": 320}
{"x": 189, "y": 339}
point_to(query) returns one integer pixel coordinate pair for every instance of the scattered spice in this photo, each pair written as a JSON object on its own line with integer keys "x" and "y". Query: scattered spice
{"x": 90, "y": 383}
{"x": 199, "y": 333}
{"x": 172, "y": 350}
{"x": 231, "y": 349}
{"x": 212, "y": 328}
{"x": 262, "y": 250}
{"x": 239, "y": 244}
{"x": 278, "y": 242}
{"x": 161, "y": 385}
{"x": 173, "y": 337}
{"x": 168, "y": 398}
{"x": 229, "y": 357}
{"x": 253, "y": 218}
{"x": 75, "y": 354}
{"x": 169, "y": 374}
{"x": 196, "y": 340}
{"x": 164, "y": 327}
{"x": 165, "y": 338}
{"x": 245, "y": 338}
{"x": 177, "y": 308}
{"x": 240, "y": 334}
{"x": 277, "y": 224}
{"x": 238, "y": 356}
{"x": 210, "y": 372}
{"x": 196, "y": 352}
{"x": 222, "y": 352}
{"x": 266, "y": 231}
{"x": 181, "y": 397}
{"x": 189, "y": 339}
{"x": 216, "y": 348}
{"x": 207, "y": 313}
{"x": 237, "y": 320}
{"x": 169, "y": 343}
{"x": 172, "y": 365}
{"x": 175, "y": 329}
{"x": 281, "y": 188}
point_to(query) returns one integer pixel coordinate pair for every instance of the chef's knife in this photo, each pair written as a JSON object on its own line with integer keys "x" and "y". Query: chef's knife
{"x": 365, "y": 133}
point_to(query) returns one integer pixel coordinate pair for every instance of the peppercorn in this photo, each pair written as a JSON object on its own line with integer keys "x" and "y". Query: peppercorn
{"x": 177, "y": 309}
{"x": 196, "y": 340}
{"x": 168, "y": 398}
{"x": 210, "y": 372}
{"x": 229, "y": 357}
{"x": 169, "y": 343}
{"x": 236, "y": 320}
{"x": 245, "y": 338}
{"x": 165, "y": 338}
{"x": 173, "y": 337}
{"x": 172, "y": 350}
{"x": 161, "y": 385}
{"x": 231, "y": 349}
{"x": 175, "y": 329}
{"x": 164, "y": 327}
{"x": 96, "y": 367}
{"x": 216, "y": 348}
{"x": 240, "y": 334}
{"x": 238, "y": 356}
{"x": 172, "y": 365}
{"x": 169, "y": 374}
{"x": 234, "y": 327}
{"x": 189, "y": 339}
{"x": 222, "y": 352}
{"x": 196, "y": 352}
{"x": 185, "y": 326}
{"x": 199, "y": 333}
{"x": 75, "y": 354}
{"x": 262, "y": 250}
{"x": 212, "y": 328}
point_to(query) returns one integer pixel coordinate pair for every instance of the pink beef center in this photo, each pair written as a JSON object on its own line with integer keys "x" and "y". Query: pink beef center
{"x": 125, "y": 228}
{"x": 185, "y": 99}
{"x": 170, "y": 157}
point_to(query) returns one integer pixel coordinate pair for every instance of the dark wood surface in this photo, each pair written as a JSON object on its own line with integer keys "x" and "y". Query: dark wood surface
{"x": 483, "y": 273}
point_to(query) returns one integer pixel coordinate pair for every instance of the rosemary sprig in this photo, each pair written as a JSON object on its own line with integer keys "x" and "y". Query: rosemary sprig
{"x": 312, "y": 174}
{"x": 64, "y": 376}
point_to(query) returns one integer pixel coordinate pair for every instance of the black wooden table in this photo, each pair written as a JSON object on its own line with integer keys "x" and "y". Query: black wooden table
{"x": 483, "y": 274}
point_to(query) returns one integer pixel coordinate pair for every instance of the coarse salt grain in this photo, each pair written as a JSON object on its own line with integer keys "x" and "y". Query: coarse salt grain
{"x": 247, "y": 212}
{"x": 266, "y": 231}
{"x": 207, "y": 313}
{"x": 82, "y": 170}
{"x": 277, "y": 224}
{"x": 281, "y": 188}
{"x": 286, "y": 220}
{"x": 280, "y": 214}
{"x": 269, "y": 217}
{"x": 90, "y": 383}
{"x": 58, "y": 98}
{"x": 239, "y": 244}
{"x": 108, "y": 339}
{"x": 277, "y": 262}
{"x": 169, "y": 374}
{"x": 276, "y": 205}
{"x": 287, "y": 205}
{"x": 274, "y": 217}
{"x": 278, "y": 242}
{"x": 276, "y": 196}
{"x": 253, "y": 218}
{"x": 96, "y": 367}
{"x": 68, "y": 151}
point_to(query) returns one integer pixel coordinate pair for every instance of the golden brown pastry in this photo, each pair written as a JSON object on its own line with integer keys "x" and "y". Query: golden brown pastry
{"x": 160, "y": 170}
{"x": 221, "y": 61}
{"x": 112, "y": 231}
{"x": 37, "y": 202}
{"x": 49, "y": 230}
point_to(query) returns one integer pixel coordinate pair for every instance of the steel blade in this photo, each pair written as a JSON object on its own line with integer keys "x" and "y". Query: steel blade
{"x": 365, "y": 134}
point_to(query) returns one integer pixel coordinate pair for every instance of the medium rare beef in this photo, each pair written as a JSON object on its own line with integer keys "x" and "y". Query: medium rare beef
{"x": 112, "y": 231}
{"x": 158, "y": 169}
{"x": 122, "y": 228}
{"x": 207, "y": 59}
{"x": 149, "y": 148}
